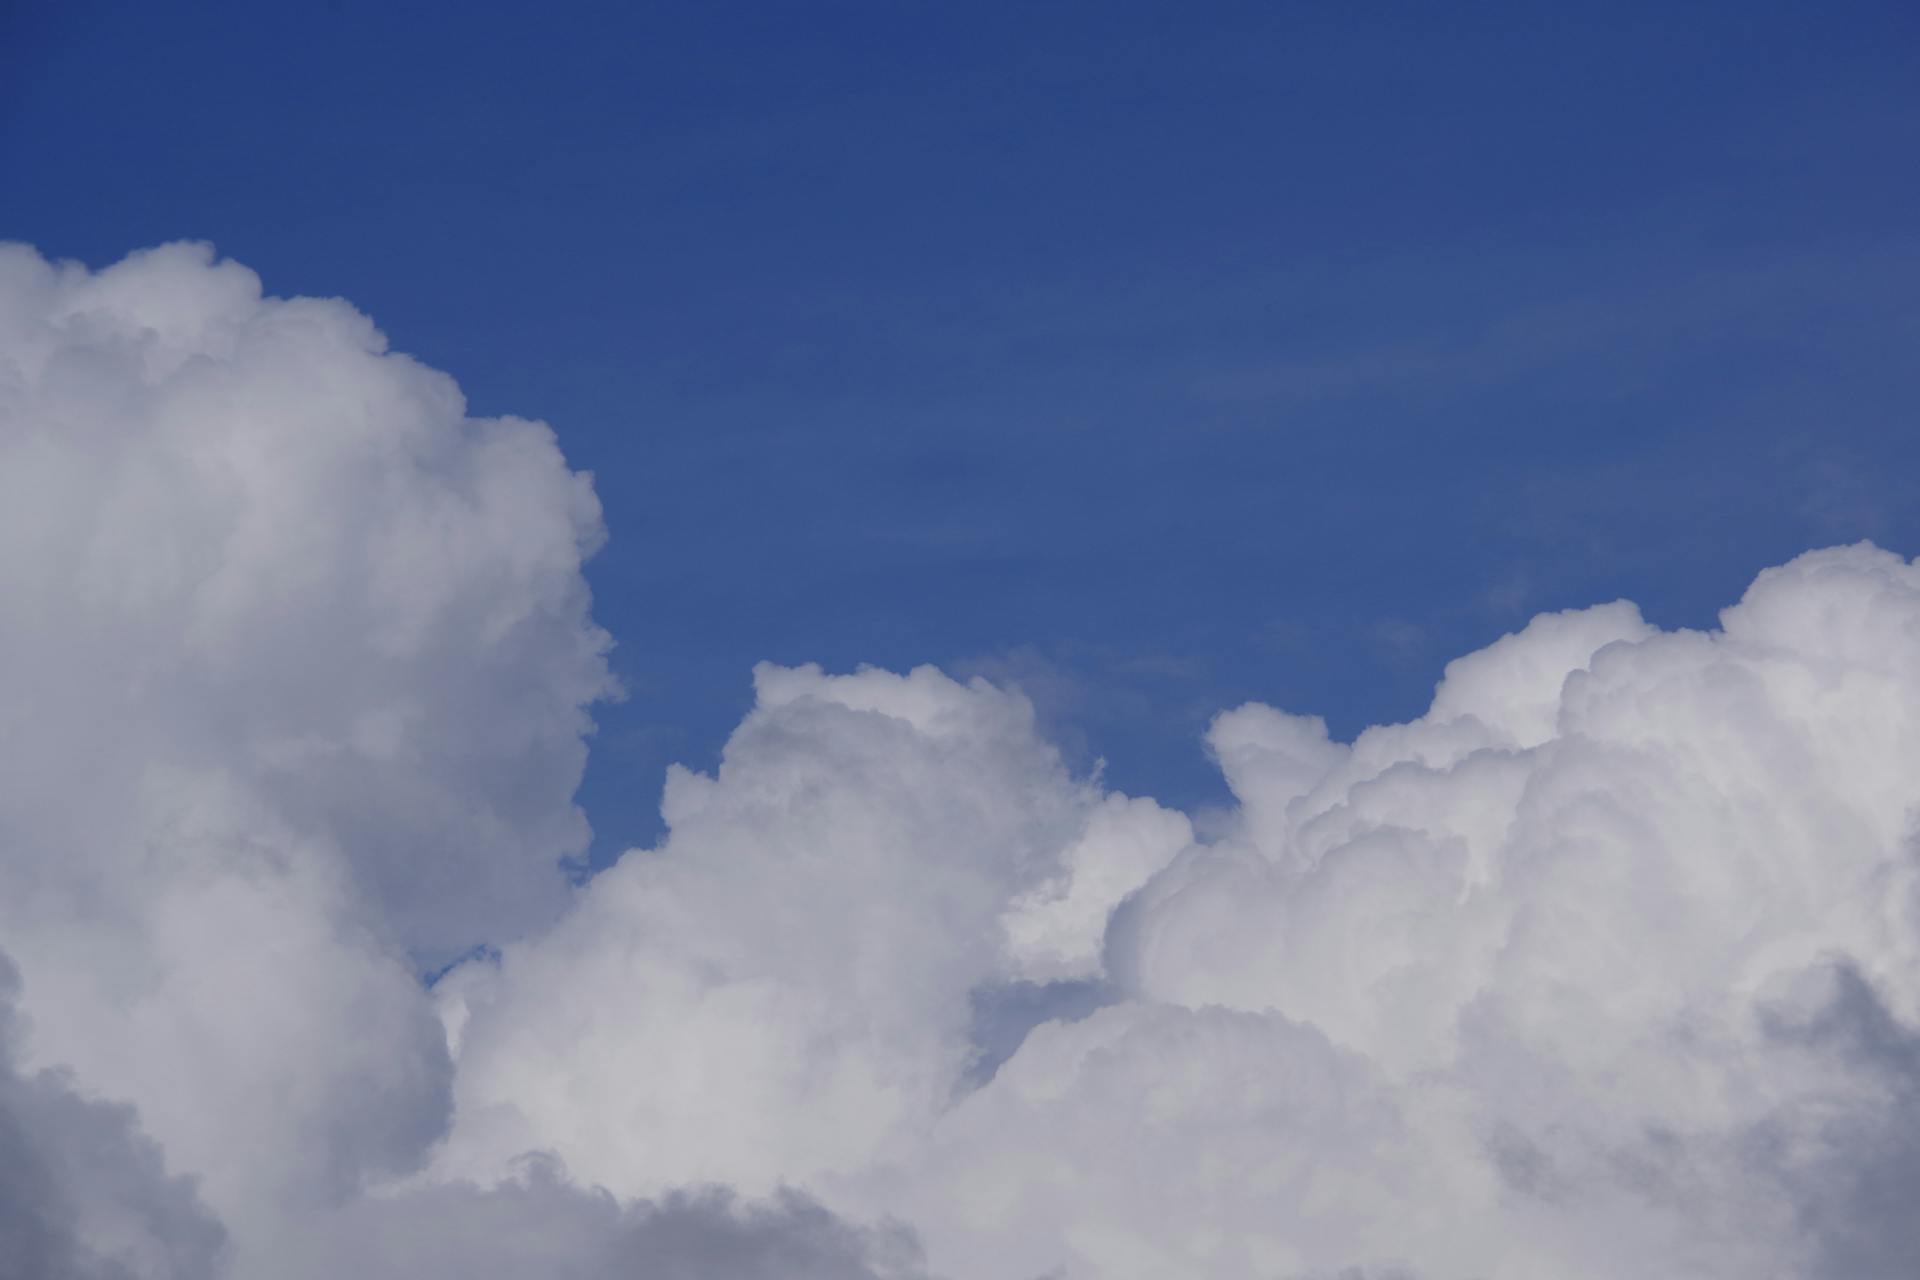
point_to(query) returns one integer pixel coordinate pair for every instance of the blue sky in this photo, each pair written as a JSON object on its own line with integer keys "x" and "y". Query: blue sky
{"x": 1158, "y": 357}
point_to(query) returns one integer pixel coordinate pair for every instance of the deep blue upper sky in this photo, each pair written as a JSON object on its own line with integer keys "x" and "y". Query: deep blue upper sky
{"x": 1160, "y": 356}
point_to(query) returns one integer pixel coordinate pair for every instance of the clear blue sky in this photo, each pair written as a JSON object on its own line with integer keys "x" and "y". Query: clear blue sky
{"x": 1158, "y": 355}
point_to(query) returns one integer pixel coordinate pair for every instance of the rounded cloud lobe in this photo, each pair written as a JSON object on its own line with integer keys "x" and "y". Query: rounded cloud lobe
{"x": 1607, "y": 966}
{"x": 83, "y": 1194}
{"x": 1610, "y": 955}
{"x": 294, "y": 666}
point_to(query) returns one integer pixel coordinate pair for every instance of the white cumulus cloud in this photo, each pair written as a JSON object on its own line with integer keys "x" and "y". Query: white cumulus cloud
{"x": 1607, "y": 966}
{"x": 1604, "y": 967}
{"x": 294, "y": 665}
{"x": 783, "y": 989}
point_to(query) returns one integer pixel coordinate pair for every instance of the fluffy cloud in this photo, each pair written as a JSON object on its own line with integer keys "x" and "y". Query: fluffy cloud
{"x": 250, "y": 542}
{"x": 785, "y": 988}
{"x": 294, "y": 662}
{"x": 1604, "y": 967}
{"x": 1623, "y": 931}
{"x": 83, "y": 1194}
{"x": 1607, "y": 966}
{"x": 294, "y": 669}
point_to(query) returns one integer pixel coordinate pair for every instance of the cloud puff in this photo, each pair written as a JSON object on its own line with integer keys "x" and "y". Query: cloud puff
{"x": 1562, "y": 921}
{"x": 1607, "y": 966}
{"x": 1610, "y": 955}
{"x": 784, "y": 988}
{"x": 84, "y": 1195}
{"x": 294, "y": 662}
{"x": 294, "y": 666}
{"x": 249, "y": 541}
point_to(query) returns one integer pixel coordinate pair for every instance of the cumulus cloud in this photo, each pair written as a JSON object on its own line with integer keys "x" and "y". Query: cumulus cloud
{"x": 84, "y": 1195}
{"x": 294, "y": 671}
{"x": 1606, "y": 966}
{"x": 249, "y": 541}
{"x": 294, "y": 665}
{"x": 784, "y": 989}
{"x": 1610, "y": 955}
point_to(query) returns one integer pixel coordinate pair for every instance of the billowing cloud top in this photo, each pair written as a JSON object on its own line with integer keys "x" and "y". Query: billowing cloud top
{"x": 1608, "y": 966}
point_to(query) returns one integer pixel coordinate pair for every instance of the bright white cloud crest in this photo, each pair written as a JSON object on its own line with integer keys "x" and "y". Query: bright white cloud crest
{"x": 1608, "y": 966}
